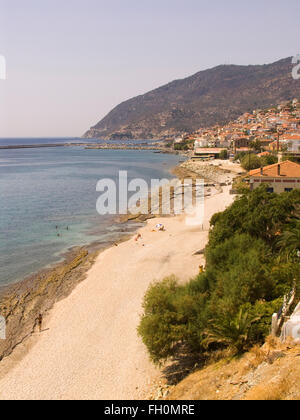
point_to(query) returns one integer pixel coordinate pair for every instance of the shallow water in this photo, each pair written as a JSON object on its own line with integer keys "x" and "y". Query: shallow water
{"x": 44, "y": 188}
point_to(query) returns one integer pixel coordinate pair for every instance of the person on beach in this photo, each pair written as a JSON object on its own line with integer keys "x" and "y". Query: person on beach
{"x": 40, "y": 322}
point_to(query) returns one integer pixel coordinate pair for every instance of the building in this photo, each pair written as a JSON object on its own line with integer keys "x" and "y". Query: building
{"x": 288, "y": 144}
{"x": 281, "y": 177}
{"x": 208, "y": 153}
{"x": 201, "y": 142}
{"x": 240, "y": 142}
{"x": 291, "y": 143}
{"x": 178, "y": 140}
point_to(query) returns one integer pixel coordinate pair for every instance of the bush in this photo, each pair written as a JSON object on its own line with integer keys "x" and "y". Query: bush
{"x": 224, "y": 155}
{"x": 268, "y": 160}
{"x": 170, "y": 316}
{"x": 250, "y": 161}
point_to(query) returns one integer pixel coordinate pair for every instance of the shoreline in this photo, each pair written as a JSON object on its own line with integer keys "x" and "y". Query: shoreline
{"x": 22, "y": 301}
{"x": 71, "y": 267}
{"x": 91, "y": 335}
{"x": 73, "y": 274}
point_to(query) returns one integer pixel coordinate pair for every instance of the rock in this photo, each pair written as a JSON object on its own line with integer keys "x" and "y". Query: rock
{"x": 275, "y": 355}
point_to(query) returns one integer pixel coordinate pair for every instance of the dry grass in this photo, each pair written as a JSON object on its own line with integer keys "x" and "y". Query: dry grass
{"x": 270, "y": 372}
{"x": 276, "y": 391}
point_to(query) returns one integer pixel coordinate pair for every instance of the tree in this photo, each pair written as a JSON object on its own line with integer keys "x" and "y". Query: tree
{"x": 256, "y": 145}
{"x": 224, "y": 154}
{"x": 231, "y": 332}
{"x": 289, "y": 241}
{"x": 268, "y": 160}
{"x": 250, "y": 161}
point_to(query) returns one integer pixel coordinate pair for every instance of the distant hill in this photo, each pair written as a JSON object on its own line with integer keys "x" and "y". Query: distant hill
{"x": 209, "y": 97}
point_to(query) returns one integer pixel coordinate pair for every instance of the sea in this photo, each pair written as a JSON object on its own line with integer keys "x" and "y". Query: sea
{"x": 48, "y": 199}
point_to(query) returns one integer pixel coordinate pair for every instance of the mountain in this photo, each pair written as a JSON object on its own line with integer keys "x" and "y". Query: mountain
{"x": 210, "y": 97}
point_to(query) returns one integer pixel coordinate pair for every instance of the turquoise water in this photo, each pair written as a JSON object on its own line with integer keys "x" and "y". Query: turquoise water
{"x": 41, "y": 189}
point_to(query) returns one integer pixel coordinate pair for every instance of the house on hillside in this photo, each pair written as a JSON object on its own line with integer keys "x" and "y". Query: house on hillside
{"x": 288, "y": 144}
{"x": 201, "y": 142}
{"x": 281, "y": 177}
{"x": 178, "y": 140}
{"x": 238, "y": 142}
{"x": 291, "y": 143}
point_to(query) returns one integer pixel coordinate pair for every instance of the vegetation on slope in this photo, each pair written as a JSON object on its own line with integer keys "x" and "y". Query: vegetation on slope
{"x": 251, "y": 264}
{"x": 251, "y": 161}
{"x": 267, "y": 373}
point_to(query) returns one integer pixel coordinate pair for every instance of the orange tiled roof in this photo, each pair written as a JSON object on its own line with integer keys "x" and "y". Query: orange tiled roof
{"x": 290, "y": 137}
{"x": 287, "y": 169}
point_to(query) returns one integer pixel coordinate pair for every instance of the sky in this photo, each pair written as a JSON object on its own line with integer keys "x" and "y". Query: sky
{"x": 70, "y": 62}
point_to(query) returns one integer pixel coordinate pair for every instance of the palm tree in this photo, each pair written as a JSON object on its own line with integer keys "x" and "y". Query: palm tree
{"x": 231, "y": 332}
{"x": 289, "y": 241}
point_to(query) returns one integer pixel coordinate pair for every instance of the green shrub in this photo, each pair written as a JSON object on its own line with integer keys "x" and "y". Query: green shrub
{"x": 268, "y": 160}
{"x": 250, "y": 161}
{"x": 170, "y": 316}
{"x": 224, "y": 155}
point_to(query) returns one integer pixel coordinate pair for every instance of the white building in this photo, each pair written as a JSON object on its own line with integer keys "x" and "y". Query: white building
{"x": 201, "y": 142}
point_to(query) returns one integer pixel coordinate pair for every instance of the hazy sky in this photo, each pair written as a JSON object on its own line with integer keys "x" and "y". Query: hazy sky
{"x": 69, "y": 62}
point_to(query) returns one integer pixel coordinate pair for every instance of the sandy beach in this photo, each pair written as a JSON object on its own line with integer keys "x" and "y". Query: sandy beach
{"x": 89, "y": 348}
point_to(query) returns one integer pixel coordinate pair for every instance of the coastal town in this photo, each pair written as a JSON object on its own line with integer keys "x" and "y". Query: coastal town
{"x": 262, "y": 139}
{"x": 266, "y": 143}
{"x": 264, "y": 131}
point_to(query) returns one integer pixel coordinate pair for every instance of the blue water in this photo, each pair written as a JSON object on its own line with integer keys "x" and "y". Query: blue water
{"x": 44, "y": 188}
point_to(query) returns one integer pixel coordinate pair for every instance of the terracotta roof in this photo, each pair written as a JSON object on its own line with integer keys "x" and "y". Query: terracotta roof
{"x": 290, "y": 137}
{"x": 287, "y": 169}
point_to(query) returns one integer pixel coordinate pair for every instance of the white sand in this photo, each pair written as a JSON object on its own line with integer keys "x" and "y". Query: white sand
{"x": 91, "y": 349}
